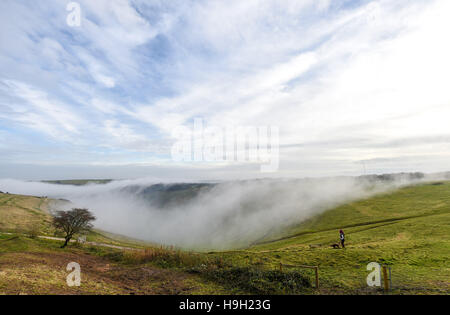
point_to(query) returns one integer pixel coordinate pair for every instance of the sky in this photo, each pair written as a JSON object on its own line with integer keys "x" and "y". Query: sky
{"x": 354, "y": 87}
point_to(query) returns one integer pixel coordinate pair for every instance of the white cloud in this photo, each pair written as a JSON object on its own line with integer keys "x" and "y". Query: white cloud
{"x": 43, "y": 114}
{"x": 123, "y": 135}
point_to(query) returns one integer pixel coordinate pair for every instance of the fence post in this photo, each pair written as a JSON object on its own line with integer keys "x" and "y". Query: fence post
{"x": 385, "y": 279}
{"x": 281, "y": 267}
{"x": 390, "y": 279}
{"x": 316, "y": 269}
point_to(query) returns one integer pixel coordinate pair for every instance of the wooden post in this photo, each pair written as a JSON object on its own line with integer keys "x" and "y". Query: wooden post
{"x": 281, "y": 267}
{"x": 385, "y": 279}
{"x": 390, "y": 279}
{"x": 316, "y": 269}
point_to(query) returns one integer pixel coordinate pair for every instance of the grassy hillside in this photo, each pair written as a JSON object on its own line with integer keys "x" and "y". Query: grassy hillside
{"x": 408, "y": 229}
{"x": 31, "y": 216}
{"x": 24, "y": 214}
{"x": 30, "y": 264}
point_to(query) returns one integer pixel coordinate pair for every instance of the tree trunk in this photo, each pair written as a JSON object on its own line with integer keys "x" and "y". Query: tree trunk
{"x": 66, "y": 242}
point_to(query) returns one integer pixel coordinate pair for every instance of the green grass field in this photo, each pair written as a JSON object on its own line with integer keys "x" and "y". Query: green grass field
{"x": 407, "y": 229}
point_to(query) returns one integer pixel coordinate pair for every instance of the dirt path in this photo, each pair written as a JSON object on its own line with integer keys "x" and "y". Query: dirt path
{"x": 88, "y": 243}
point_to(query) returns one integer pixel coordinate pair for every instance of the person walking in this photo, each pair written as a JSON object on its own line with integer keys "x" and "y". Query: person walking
{"x": 342, "y": 237}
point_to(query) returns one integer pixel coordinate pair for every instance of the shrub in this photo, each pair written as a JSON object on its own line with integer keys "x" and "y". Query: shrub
{"x": 34, "y": 231}
{"x": 163, "y": 257}
{"x": 258, "y": 281}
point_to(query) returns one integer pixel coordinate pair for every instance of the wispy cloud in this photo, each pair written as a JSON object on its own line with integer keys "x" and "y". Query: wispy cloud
{"x": 344, "y": 80}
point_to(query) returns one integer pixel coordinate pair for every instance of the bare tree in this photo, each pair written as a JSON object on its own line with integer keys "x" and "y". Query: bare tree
{"x": 72, "y": 222}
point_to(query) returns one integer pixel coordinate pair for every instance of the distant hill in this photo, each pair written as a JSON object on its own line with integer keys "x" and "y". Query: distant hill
{"x": 78, "y": 182}
{"x": 165, "y": 196}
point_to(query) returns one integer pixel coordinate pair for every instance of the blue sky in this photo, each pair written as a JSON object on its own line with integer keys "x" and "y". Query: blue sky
{"x": 348, "y": 83}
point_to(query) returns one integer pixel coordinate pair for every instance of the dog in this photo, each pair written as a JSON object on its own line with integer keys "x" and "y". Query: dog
{"x": 335, "y": 246}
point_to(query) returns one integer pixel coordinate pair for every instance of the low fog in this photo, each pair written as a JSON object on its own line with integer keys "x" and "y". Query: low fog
{"x": 209, "y": 216}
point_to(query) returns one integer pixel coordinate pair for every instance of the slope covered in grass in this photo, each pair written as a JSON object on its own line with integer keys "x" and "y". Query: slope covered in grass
{"x": 30, "y": 215}
{"x": 408, "y": 229}
{"x": 24, "y": 214}
{"x": 414, "y": 201}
